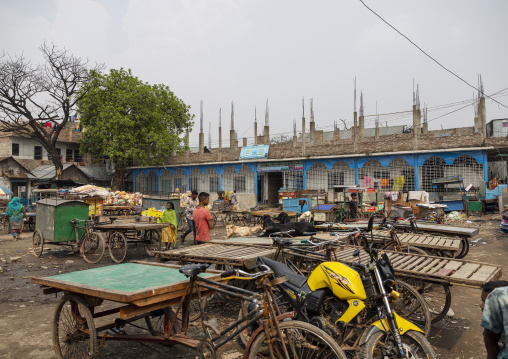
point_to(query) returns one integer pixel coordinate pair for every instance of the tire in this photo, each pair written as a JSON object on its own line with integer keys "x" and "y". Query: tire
{"x": 37, "y": 243}
{"x": 411, "y": 306}
{"x": 93, "y": 247}
{"x": 438, "y": 298}
{"x": 72, "y": 317}
{"x": 194, "y": 311}
{"x": 152, "y": 241}
{"x": 465, "y": 248}
{"x": 414, "y": 250}
{"x": 117, "y": 247}
{"x": 214, "y": 219}
{"x": 308, "y": 342}
{"x": 416, "y": 342}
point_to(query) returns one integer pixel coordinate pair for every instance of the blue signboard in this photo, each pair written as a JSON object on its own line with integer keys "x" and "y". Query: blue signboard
{"x": 253, "y": 152}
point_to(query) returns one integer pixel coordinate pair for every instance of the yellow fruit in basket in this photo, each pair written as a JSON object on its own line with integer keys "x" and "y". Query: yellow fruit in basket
{"x": 177, "y": 190}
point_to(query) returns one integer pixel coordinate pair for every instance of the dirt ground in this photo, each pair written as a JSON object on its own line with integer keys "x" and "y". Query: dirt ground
{"x": 26, "y": 315}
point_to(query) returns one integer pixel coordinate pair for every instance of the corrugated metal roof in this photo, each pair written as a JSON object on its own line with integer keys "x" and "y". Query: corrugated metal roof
{"x": 48, "y": 172}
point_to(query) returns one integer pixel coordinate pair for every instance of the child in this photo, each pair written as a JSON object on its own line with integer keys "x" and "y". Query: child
{"x": 169, "y": 216}
{"x": 203, "y": 219}
{"x": 353, "y": 206}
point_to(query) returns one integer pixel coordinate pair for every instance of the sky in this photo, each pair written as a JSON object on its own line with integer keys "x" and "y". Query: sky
{"x": 248, "y": 52}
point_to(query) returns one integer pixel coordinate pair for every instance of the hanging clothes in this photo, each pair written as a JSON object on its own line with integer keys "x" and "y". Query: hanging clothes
{"x": 398, "y": 183}
{"x": 385, "y": 182}
{"x": 367, "y": 181}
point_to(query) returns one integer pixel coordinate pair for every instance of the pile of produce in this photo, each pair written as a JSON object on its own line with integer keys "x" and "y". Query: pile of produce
{"x": 122, "y": 198}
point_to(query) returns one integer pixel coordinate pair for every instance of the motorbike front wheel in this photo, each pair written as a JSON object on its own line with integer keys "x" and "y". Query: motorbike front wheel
{"x": 379, "y": 346}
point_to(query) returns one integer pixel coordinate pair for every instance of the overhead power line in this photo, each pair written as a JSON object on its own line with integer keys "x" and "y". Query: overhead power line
{"x": 426, "y": 54}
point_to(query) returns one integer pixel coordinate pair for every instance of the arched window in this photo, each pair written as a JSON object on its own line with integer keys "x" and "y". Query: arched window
{"x": 317, "y": 177}
{"x": 228, "y": 179}
{"x": 212, "y": 180}
{"x": 140, "y": 182}
{"x": 197, "y": 181}
{"x": 434, "y": 167}
{"x": 372, "y": 173}
{"x": 166, "y": 182}
{"x": 341, "y": 174}
{"x": 180, "y": 181}
{"x": 244, "y": 180}
{"x": 467, "y": 167}
{"x": 152, "y": 185}
{"x": 402, "y": 176}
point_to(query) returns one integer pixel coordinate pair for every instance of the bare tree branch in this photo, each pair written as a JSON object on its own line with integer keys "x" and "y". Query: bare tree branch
{"x": 32, "y": 95}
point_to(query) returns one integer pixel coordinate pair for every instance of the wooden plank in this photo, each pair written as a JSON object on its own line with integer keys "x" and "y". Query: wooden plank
{"x": 416, "y": 262}
{"x": 405, "y": 262}
{"x": 451, "y": 230}
{"x": 483, "y": 273}
{"x": 430, "y": 266}
{"x": 466, "y": 270}
{"x": 422, "y": 264}
{"x": 453, "y": 265}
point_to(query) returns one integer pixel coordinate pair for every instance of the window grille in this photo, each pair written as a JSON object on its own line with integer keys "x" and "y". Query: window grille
{"x": 15, "y": 149}
{"x": 69, "y": 155}
{"x": 212, "y": 179}
{"x": 197, "y": 181}
{"x": 228, "y": 179}
{"x": 245, "y": 180}
{"x": 37, "y": 152}
{"x": 292, "y": 180}
{"x": 152, "y": 185}
{"x": 180, "y": 181}
{"x": 166, "y": 182}
{"x": 140, "y": 182}
{"x": 401, "y": 176}
{"x": 340, "y": 174}
{"x": 317, "y": 177}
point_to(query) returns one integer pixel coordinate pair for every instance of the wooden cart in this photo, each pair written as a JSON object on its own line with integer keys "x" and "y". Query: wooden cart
{"x": 142, "y": 289}
{"x": 120, "y": 235}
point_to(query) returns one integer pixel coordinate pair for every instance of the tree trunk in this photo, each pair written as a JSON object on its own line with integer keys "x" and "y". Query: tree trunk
{"x": 119, "y": 178}
{"x": 57, "y": 162}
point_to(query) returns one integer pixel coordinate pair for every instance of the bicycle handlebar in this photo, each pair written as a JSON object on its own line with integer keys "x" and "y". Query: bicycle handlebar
{"x": 241, "y": 273}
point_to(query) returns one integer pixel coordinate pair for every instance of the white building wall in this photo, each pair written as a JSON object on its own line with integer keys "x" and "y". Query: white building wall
{"x": 26, "y": 148}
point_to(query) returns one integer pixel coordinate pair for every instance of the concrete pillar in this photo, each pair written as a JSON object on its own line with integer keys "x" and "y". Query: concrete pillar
{"x": 355, "y": 131}
{"x": 255, "y": 132}
{"x": 361, "y": 128}
{"x": 415, "y": 122}
{"x": 312, "y": 128}
{"x": 232, "y": 139}
{"x": 295, "y": 141}
{"x": 483, "y": 116}
{"x": 187, "y": 145}
{"x": 201, "y": 143}
{"x": 266, "y": 135}
{"x": 476, "y": 125}
{"x": 425, "y": 128}
{"x": 244, "y": 141}
{"x": 336, "y": 135}
{"x": 220, "y": 143}
{"x": 376, "y": 132}
{"x": 303, "y": 136}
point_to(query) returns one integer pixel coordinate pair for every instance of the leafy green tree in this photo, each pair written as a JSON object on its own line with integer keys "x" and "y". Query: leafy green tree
{"x": 127, "y": 119}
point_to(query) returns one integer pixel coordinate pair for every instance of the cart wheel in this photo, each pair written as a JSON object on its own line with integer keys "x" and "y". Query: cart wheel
{"x": 37, "y": 243}
{"x": 74, "y": 329}
{"x": 194, "y": 311}
{"x": 152, "y": 241}
{"x": 411, "y": 306}
{"x": 155, "y": 322}
{"x": 117, "y": 247}
{"x": 93, "y": 247}
{"x": 438, "y": 297}
{"x": 464, "y": 245}
{"x": 214, "y": 219}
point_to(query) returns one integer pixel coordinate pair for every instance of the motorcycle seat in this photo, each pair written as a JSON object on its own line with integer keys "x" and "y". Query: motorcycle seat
{"x": 280, "y": 269}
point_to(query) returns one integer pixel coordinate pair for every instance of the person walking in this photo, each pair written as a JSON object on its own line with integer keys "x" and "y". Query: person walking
{"x": 190, "y": 205}
{"x": 234, "y": 198}
{"x": 16, "y": 213}
{"x": 495, "y": 318}
{"x": 169, "y": 217}
{"x": 203, "y": 219}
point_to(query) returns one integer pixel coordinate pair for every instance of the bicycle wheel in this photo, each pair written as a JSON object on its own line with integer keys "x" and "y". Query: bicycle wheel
{"x": 464, "y": 248}
{"x": 437, "y": 296}
{"x": 37, "y": 243}
{"x": 117, "y": 247}
{"x": 301, "y": 340}
{"x": 155, "y": 323}
{"x": 194, "y": 312}
{"x": 93, "y": 247}
{"x": 152, "y": 240}
{"x": 411, "y": 306}
{"x": 214, "y": 219}
{"x": 380, "y": 346}
{"x": 74, "y": 334}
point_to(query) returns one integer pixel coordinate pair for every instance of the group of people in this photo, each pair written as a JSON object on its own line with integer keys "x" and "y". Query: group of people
{"x": 198, "y": 217}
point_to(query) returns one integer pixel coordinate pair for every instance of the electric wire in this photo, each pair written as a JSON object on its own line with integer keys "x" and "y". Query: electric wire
{"x": 426, "y": 54}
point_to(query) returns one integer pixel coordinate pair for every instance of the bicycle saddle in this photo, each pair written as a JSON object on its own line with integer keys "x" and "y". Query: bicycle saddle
{"x": 282, "y": 241}
{"x": 190, "y": 270}
{"x": 74, "y": 221}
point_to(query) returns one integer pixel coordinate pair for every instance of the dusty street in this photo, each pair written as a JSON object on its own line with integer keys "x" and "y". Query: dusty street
{"x": 26, "y": 315}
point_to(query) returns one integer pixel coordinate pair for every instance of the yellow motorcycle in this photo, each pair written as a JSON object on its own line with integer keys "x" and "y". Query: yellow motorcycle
{"x": 353, "y": 304}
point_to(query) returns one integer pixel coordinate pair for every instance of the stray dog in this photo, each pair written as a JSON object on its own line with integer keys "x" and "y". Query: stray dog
{"x": 283, "y": 218}
{"x": 232, "y": 230}
{"x": 305, "y": 217}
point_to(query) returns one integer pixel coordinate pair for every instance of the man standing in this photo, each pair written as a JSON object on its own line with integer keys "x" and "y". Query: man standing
{"x": 353, "y": 206}
{"x": 190, "y": 205}
{"x": 495, "y": 321}
{"x": 203, "y": 219}
{"x": 234, "y": 199}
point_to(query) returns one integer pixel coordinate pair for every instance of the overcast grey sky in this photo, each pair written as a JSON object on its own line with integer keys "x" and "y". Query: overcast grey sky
{"x": 249, "y": 51}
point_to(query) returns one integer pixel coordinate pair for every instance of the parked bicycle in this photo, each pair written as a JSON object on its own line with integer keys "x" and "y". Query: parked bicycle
{"x": 89, "y": 242}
